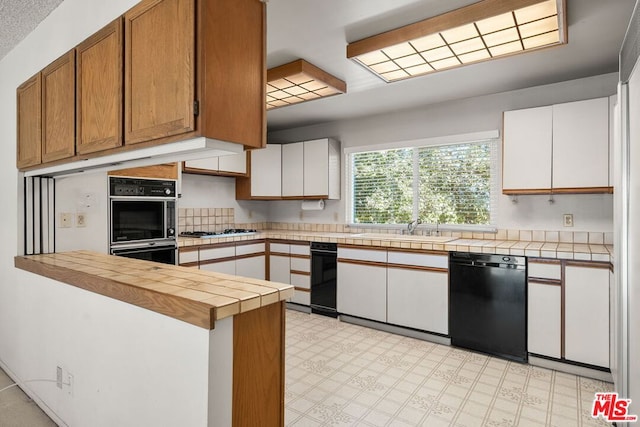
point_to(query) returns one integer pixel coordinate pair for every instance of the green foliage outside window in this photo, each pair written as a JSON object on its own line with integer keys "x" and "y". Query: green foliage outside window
{"x": 452, "y": 184}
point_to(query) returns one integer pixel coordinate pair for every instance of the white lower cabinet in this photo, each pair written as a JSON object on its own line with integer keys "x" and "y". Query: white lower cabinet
{"x": 587, "y": 314}
{"x": 544, "y": 319}
{"x": 251, "y": 267}
{"x": 418, "y": 299}
{"x": 279, "y": 269}
{"x": 227, "y": 267}
{"x": 362, "y": 291}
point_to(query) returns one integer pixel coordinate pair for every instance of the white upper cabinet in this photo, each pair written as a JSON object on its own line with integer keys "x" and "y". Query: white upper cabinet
{"x": 293, "y": 169}
{"x": 322, "y": 168}
{"x": 233, "y": 165}
{"x": 581, "y": 144}
{"x": 526, "y": 150}
{"x": 266, "y": 175}
{"x": 563, "y": 148}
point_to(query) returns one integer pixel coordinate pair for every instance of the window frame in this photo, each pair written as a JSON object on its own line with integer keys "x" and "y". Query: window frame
{"x": 426, "y": 143}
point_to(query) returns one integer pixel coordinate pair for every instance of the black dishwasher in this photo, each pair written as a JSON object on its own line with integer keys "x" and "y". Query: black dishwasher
{"x": 488, "y": 304}
{"x": 324, "y": 270}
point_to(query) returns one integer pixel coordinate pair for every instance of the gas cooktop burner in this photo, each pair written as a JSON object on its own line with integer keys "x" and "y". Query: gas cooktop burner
{"x": 226, "y": 233}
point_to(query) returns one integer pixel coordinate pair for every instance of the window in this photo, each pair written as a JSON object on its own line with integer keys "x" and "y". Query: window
{"x": 453, "y": 183}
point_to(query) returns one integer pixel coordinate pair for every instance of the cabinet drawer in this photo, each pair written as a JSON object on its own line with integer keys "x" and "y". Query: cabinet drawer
{"x": 300, "y": 249}
{"x": 254, "y": 248}
{"x": 545, "y": 270}
{"x": 422, "y": 260}
{"x": 362, "y": 255}
{"x": 300, "y": 264}
{"x": 215, "y": 253}
{"x": 190, "y": 256}
{"x": 301, "y": 281}
{"x": 301, "y": 297}
{"x": 279, "y": 247}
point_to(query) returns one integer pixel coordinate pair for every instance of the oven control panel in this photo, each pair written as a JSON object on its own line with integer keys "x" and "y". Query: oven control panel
{"x": 135, "y": 187}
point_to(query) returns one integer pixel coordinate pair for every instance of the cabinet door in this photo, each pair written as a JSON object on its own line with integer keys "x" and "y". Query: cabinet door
{"x": 292, "y": 169}
{"x": 266, "y": 176}
{"x": 251, "y": 267}
{"x": 587, "y": 315}
{"x": 159, "y": 69}
{"x": 544, "y": 319}
{"x": 58, "y": 109}
{"x": 581, "y": 144}
{"x": 362, "y": 291}
{"x": 316, "y": 168}
{"x": 29, "y": 150}
{"x": 234, "y": 163}
{"x": 418, "y": 299}
{"x": 99, "y": 90}
{"x": 279, "y": 269}
{"x": 526, "y": 150}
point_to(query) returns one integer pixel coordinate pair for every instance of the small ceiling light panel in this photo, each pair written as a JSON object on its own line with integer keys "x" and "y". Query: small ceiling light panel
{"x": 482, "y": 31}
{"x": 300, "y": 81}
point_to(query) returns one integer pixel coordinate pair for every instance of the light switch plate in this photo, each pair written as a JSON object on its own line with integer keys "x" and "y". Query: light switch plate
{"x": 567, "y": 220}
{"x": 66, "y": 220}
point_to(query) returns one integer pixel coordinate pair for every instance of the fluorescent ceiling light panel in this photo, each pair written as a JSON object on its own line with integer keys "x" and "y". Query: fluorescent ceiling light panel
{"x": 482, "y": 31}
{"x": 300, "y": 81}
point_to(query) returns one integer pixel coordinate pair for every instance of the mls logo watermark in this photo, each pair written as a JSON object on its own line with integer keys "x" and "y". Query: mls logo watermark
{"x": 612, "y": 408}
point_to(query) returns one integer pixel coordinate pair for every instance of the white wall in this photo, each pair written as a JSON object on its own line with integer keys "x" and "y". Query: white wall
{"x": 130, "y": 366}
{"x": 203, "y": 191}
{"x": 591, "y": 213}
{"x": 87, "y": 194}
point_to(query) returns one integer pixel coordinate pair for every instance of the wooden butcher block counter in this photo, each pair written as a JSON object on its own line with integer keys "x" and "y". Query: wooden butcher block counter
{"x": 194, "y": 296}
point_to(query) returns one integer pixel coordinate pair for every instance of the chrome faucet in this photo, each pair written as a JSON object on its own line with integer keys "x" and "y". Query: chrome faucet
{"x": 411, "y": 227}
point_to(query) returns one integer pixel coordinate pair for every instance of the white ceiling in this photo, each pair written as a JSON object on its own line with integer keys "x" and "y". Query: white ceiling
{"x": 319, "y": 30}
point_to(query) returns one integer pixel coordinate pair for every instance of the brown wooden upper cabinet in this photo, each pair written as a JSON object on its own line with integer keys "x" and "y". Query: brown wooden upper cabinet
{"x": 29, "y": 122}
{"x": 167, "y": 70}
{"x": 99, "y": 88}
{"x": 58, "y": 108}
{"x": 164, "y": 54}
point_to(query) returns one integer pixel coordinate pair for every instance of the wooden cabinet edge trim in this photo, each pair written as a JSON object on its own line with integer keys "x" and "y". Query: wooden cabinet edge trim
{"x": 189, "y": 264}
{"x": 296, "y": 288}
{"x": 361, "y": 262}
{"x": 216, "y": 260}
{"x": 576, "y": 190}
{"x": 300, "y": 273}
{"x": 543, "y": 281}
{"x": 418, "y": 268}
{"x": 282, "y": 254}
{"x": 300, "y": 256}
{"x": 545, "y": 261}
{"x": 588, "y": 264}
{"x": 251, "y": 255}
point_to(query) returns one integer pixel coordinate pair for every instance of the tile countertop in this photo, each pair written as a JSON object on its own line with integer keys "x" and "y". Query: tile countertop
{"x": 555, "y": 250}
{"x": 195, "y": 296}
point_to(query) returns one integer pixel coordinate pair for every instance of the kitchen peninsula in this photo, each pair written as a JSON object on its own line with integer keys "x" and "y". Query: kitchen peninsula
{"x": 242, "y": 320}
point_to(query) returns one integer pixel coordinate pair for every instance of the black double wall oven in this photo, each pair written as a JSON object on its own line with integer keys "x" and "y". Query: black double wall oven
{"x": 142, "y": 218}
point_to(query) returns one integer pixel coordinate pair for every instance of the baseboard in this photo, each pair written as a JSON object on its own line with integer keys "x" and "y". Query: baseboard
{"x": 398, "y": 330}
{"x": 298, "y": 307}
{"x": 569, "y": 368}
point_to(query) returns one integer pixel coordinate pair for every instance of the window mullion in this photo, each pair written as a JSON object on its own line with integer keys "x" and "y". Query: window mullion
{"x": 416, "y": 183}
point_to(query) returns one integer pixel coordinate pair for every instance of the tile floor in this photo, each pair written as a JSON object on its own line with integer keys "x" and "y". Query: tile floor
{"x": 17, "y": 409}
{"x": 338, "y": 374}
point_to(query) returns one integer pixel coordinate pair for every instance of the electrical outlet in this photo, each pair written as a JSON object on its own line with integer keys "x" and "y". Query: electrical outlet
{"x": 66, "y": 220}
{"x": 69, "y": 384}
{"x": 81, "y": 219}
{"x": 58, "y": 376}
{"x": 567, "y": 220}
